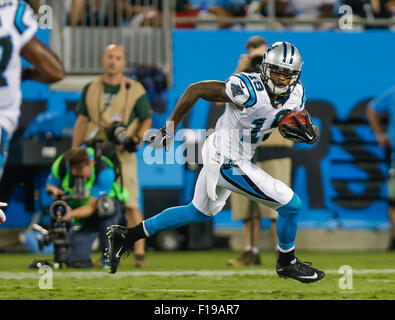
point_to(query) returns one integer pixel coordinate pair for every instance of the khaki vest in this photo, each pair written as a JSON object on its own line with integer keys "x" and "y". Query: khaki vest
{"x": 119, "y": 110}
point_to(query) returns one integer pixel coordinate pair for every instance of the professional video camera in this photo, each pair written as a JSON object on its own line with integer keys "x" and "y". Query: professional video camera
{"x": 58, "y": 231}
{"x": 117, "y": 133}
{"x": 256, "y": 62}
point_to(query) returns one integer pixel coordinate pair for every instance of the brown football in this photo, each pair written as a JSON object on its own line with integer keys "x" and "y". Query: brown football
{"x": 288, "y": 119}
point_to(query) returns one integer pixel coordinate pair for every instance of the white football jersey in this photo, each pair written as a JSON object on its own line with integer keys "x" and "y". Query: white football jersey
{"x": 18, "y": 26}
{"x": 240, "y": 132}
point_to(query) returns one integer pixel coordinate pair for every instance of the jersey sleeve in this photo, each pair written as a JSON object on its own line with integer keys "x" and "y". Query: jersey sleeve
{"x": 25, "y": 23}
{"x": 240, "y": 90}
{"x": 297, "y": 99}
{"x": 54, "y": 181}
{"x": 104, "y": 183}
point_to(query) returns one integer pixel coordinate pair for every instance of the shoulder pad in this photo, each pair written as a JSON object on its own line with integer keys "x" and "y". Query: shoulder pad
{"x": 240, "y": 90}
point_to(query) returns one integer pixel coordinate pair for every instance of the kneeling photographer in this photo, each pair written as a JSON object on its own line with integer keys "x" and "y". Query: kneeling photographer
{"x": 86, "y": 181}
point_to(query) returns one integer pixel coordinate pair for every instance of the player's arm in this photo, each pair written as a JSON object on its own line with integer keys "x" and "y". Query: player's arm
{"x": 374, "y": 120}
{"x": 308, "y": 133}
{"x": 213, "y": 91}
{"x": 47, "y": 67}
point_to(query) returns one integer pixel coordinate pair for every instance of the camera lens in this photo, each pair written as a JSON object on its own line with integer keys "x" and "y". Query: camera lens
{"x": 58, "y": 209}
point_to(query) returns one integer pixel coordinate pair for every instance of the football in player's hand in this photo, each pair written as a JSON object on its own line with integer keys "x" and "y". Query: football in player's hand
{"x": 288, "y": 120}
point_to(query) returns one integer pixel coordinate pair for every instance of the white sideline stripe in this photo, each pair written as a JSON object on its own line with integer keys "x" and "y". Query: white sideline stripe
{"x": 203, "y": 273}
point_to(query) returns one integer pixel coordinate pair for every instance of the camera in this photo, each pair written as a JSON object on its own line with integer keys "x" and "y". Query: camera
{"x": 77, "y": 189}
{"x": 57, "y": 233}
{"x": 256, "y": 62}
{"x": 58, "y": 230}
{"x": 117, "y": 133}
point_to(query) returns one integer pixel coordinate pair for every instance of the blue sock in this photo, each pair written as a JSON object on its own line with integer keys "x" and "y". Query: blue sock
{"x": 173, "y": 218}
{"x": 287, "y": 223}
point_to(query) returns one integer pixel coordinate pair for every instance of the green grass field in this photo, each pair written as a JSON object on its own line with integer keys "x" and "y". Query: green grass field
{"x": 202, "y": 275}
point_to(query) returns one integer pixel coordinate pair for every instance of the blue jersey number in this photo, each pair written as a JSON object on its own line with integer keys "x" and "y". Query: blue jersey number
{"x": 5, "y": 57}
{"x": 258, "y": 124}
{"x": 258, "y": 86}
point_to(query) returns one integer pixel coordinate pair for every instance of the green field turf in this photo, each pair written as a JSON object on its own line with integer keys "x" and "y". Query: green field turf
{"x": 202, "y": 275}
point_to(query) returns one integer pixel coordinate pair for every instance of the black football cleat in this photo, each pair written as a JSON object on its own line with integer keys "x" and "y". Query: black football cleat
{"x": 117, "y": 246}
{"x": 301, "y": 271}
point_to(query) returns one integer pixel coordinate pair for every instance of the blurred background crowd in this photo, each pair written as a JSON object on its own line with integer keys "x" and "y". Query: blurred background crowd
{"x": 148, "y": 12}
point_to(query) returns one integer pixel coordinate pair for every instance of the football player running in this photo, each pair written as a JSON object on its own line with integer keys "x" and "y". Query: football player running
{"x": 255, "y": 103}
{"x": 18, "y": 26}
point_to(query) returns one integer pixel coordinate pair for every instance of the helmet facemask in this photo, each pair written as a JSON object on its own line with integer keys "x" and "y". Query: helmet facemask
{"x": 269, "y": 74}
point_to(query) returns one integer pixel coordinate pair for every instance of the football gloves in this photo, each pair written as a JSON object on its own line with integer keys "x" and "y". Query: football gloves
{"x": 161, "y": 138}
{"x": 303, "y": 133}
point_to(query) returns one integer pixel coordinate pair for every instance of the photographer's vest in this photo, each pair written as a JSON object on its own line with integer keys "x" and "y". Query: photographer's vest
{"x": 120, "y": 109}
{"x": 60, "y": 171}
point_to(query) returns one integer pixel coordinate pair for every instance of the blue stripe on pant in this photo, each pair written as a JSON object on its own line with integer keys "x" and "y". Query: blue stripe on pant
{"x": 287, "y": 223}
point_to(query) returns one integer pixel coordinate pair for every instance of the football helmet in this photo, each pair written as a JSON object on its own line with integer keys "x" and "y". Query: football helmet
{"x": 281, "y": 68}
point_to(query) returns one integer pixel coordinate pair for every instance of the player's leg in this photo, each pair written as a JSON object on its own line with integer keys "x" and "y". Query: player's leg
{"x": 245, "y": 178}
{"x": 201, "y": 209}
{"x": 279, "y": 169}
{"x": 105, "y": 223}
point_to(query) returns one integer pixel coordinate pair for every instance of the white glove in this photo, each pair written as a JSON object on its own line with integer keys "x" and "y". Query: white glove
{"x": 161, "y": 138}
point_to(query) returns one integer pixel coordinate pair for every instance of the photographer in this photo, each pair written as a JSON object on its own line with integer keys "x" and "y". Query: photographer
{"x": 115, "y": 108}
{"x": 87, "y": 183}
{"x": 249, "y": 62}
